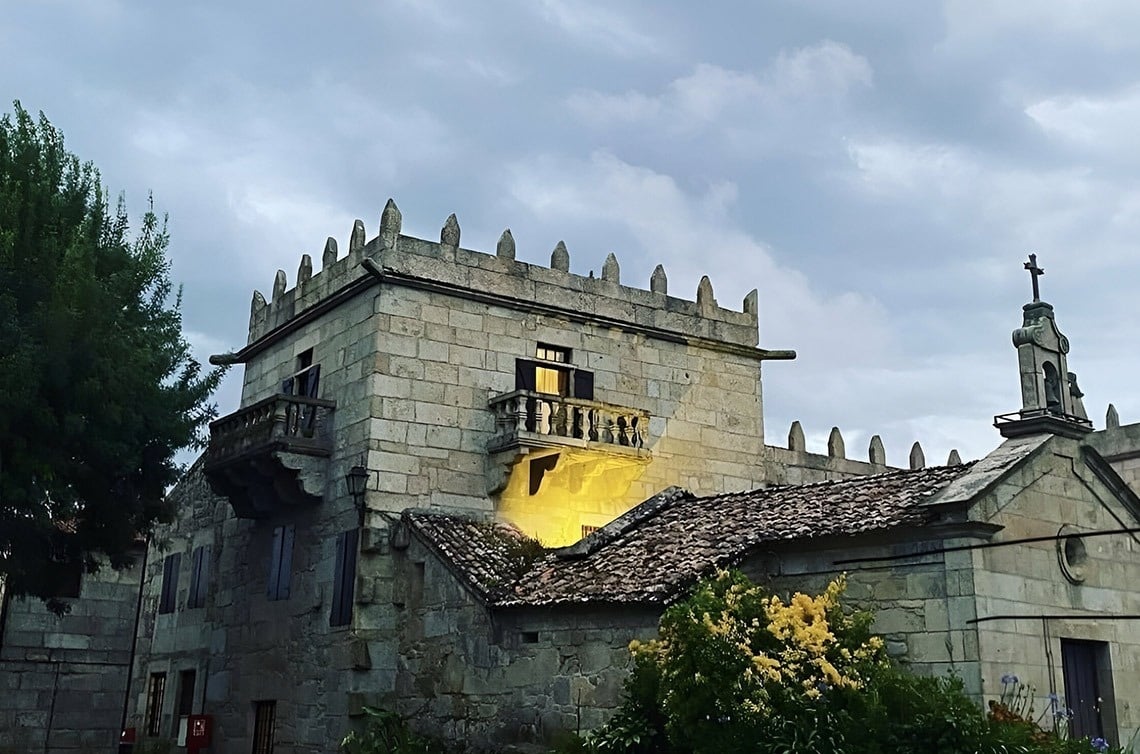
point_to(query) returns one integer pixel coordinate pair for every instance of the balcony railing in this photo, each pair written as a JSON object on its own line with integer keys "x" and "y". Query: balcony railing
{"x": 523, "y": 417}
{"x": 271, "y": 455}
{"x": 286, "y": 422}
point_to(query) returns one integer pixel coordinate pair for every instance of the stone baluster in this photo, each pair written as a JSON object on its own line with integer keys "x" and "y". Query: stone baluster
{"x": 542, "y": 416}
{"x": 593, "y": 433}
{"x": 578, "y": 431}
{"x": 520, "y": 409}
{"x": 561, "y": 422}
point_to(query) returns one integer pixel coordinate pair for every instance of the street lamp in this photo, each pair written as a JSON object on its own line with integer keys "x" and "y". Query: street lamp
{"x": 357, "y": 481}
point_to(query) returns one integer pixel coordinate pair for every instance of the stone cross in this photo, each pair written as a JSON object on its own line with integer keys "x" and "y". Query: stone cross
{"x": 1034, "y": 272}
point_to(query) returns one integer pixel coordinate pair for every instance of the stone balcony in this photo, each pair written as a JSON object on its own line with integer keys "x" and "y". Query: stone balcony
{"x": 527, "y": 420}
{"x": 271, "y": 455}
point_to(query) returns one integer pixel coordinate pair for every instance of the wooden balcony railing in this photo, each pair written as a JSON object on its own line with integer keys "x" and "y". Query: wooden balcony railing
{"x": 524, "y": 417}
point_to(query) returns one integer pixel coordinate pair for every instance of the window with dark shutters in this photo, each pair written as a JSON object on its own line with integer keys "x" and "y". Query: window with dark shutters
{"x": 552, "y": 373}
{"x": 281, "y": 563}
{"x": 170, "y": 567}
{"x": 199, "y": 577}
{"x": 344, "y": 578}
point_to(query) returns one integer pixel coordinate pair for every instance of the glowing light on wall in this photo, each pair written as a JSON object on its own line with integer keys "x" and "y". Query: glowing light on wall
{"x": 551, "y": 495}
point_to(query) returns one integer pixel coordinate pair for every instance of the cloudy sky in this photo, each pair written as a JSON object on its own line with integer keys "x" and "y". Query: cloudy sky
{"x": 879, "y": 170}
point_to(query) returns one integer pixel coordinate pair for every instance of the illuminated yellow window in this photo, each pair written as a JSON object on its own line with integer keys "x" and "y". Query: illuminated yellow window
{"x": 552, "y": 381}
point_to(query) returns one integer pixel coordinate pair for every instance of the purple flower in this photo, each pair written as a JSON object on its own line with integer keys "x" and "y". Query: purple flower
{"x": 1009, "y": 678}
{"x": 1100, "y": 744}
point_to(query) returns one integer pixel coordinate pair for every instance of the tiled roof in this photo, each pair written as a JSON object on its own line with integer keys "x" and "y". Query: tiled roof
{"x": 489, "y": 556}
{"x": 662, "y": 546}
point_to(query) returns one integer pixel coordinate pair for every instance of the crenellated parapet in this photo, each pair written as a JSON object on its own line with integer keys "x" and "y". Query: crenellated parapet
{"x": 795, "y": 465}
{"x": 444, "y": 266}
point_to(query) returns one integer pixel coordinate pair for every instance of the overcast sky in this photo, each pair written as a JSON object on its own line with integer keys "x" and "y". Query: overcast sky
{"x": 879, "y": 170}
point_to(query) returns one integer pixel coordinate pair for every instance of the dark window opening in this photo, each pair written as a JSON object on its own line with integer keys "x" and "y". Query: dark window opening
{"x": 155, "y": 691}
{"x": 306, "y": 380}
{"x": 344, "y": 578}
{"x": 184, "y": 702}
{"x": 170, "y": 567}
{"x": 538, "y": 469}
{"x": 264, "y": 717}
{"x": 281, "y": 563}
{"x": 528, "y": 637}
{"x": 199, "y": 577}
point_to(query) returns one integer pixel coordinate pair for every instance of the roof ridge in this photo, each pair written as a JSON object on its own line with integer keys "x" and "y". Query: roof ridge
{"x": 851, "y": 480}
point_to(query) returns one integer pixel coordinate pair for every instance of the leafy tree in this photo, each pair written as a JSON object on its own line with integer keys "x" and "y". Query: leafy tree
{"x": 98, "y": 389}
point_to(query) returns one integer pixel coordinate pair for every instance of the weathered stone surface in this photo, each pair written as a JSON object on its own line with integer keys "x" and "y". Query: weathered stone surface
{"x": 279, "y": 285}
{"x": 835, "y": 447}
{"x": 506, "y": 246}
{"x": 796, "y": 440}
{"x": 390, "y": 223}
{"x": 917, "y": 457}
{"x": 356, "y": 239}
{"x": 560, "y": 258}
{"x": 658, "y": 282}
{"x": 876, "y": 454}
{"x": 328, "y": 256}
{"x": 449, "y": 235}
{"x": 305, "y": 270}
{"x": 610, "y": 269}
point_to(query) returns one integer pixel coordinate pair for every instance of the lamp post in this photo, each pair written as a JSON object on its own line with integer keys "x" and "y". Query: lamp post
{"x": 357, "y": 481}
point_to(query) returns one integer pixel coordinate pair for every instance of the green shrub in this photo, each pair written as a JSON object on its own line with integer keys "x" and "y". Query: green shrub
{"x": 388, "y": 733}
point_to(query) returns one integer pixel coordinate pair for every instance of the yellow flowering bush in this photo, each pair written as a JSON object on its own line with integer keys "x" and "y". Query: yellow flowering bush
{"x": 731, "y": 655}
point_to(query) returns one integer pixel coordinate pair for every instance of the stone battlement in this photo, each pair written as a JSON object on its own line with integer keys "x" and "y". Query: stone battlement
{"x": 501, "y": 279}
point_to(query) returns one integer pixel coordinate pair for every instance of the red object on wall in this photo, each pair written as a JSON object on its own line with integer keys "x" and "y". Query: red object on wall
{"x": 198, "y": 730}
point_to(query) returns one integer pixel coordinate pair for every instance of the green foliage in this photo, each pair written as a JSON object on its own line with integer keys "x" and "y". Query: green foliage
{"x": 388, "y": 733}
{"x": 98, "y": 389}
{"x": 737, "y": 670}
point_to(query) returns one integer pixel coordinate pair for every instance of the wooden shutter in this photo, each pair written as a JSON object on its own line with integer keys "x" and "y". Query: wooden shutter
{"x": 287, "y": 387}
{"x": 344, "y": 578}
{"x": 314, "y": 380}
{"x": 285, "y": 574}
{"x": 275, "y": 563}
{"x": 583, "y": 385}
{"x": 170, "y": 568}
{"x": 199, "y": 577}
{"x": 338, "y": 579}
{"x": 195, "y": 573}
{"x": 524, "y": 375}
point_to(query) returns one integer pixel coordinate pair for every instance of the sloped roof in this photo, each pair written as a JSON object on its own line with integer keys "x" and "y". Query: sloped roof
{"x": 489, "y": 556}
{"x": 663, "y": 545}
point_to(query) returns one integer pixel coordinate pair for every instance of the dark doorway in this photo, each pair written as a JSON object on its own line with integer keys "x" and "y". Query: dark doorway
{"x": 1082, "y": 663}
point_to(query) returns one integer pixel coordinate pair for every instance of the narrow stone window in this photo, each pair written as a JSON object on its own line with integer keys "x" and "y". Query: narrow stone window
{"x": 199, "y": 577}
{"x": 169, "y": 595}
{"x": 344, "y": 578}
{"x": 281, "y": 563}
{"x": 264, "y": 720}
{"x": 155, "y": 691}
